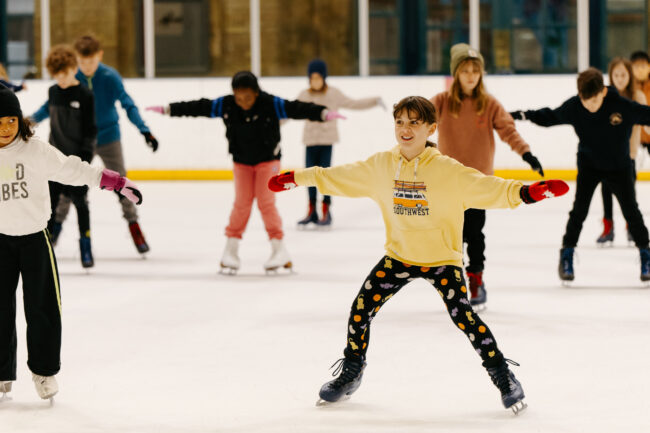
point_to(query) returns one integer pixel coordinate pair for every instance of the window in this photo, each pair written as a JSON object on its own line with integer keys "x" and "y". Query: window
{"x": 19, "y": 38}
{"x": 626, "y": 27}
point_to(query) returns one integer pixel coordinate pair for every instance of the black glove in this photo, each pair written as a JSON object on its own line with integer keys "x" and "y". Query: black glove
{"x": 534, "y": 163}
{"x": 518, "y": 115}
{"x": 151, "y": 140}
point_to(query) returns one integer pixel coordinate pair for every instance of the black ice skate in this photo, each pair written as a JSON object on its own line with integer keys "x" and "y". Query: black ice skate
{"x": 87, "y": 260}
{"x": 645, "y": 264}
{"x": 325, "y": 223}
{"x": 565, "y": 268}
{"x": 343, "y": 386}
{"x": 478, "y": 295}
{"x": 312, "y": 217}
{"x": 607, "y": 236}
{"x": 512, "y": 394}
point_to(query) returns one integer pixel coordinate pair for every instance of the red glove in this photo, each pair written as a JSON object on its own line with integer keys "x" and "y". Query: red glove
{"x": 544, "y": 189}
{"x": 282, "y": 182}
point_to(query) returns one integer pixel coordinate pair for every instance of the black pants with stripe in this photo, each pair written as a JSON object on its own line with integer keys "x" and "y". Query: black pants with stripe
{"x": 32, "y": 258}
{"x": 388, "y": 277}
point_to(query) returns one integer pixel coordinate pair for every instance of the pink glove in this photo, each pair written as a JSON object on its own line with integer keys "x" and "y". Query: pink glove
{"x": 333, "y": 114}
{"x": 282, "y": 182}
{"x": 156, "y": 109}
{"x": 112, "y": 181}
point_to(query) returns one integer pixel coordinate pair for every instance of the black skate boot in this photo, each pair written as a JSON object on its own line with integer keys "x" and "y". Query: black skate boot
{"x": 608, "y": 233}
{"x": 512, "y": 394}
{"x": 312, "y": 217}
{"x": 86, "y": 252}
{"x": 55, "y": 231}
{"x": 343, "y": 386}
{"x": 478, "y": 295}
{"x": 326, "y": 221}
{"x": 645, "y": 264}
{"x": 565, "y": 269}
{"x": 138, "y": 237}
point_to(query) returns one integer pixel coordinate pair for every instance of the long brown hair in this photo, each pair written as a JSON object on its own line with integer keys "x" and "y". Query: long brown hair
{"x": 456, "y": 94}
{"x": 422, "y": 108}
{"x": 628, "y": 92}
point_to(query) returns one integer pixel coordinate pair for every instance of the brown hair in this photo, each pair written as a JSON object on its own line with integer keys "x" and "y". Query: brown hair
{"x": 456, "y": 94}
{"x": 422, "y": 108}
{"x": 590, "y": 83}
{"x": 87, "y": 46}
{"x": 59, "y": 59}
{"x": 628, "y": 92}
{"x": 25, "y": 128}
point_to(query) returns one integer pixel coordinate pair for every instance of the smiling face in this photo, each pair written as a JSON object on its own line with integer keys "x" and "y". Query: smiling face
{"x": 412, "y": 133}
{"x": 620, "y": 77}
{"x": 245, "y": 98}
{"x": 8, "y": 130}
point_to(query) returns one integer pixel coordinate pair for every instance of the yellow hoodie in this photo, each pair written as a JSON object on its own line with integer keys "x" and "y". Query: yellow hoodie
{"x": 422, "y": 201}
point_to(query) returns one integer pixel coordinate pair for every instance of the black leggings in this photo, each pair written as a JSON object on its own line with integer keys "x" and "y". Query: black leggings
{"x": 388, "y": 277}
{"x": 606, "y": 192}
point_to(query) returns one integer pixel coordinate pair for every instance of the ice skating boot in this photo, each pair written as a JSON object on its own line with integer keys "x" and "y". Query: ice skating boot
{"x": 608, "y": 233}
{"x": 86, "y": 252}
{"x": 565, "y": 268}
{"x": 312, "y": 217}
{"x": 138, "y": 237}
{"x": 230, "y": 260}
{"x": 349, "y": 380}
{"x": 279, "y": 257}
{"x": 645, "y": 264}
{"x": 5, "y": 388}
{"x": 46, "y": 386}
{"x": 325, "y": 223}
{"x": 512, "y": 394}
{"x": 55, "y": 231}
{"x": 478, "y": 295}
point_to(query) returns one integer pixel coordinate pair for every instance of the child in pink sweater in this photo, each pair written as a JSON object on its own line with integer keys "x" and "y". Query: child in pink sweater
{"x": 468, "y": 115}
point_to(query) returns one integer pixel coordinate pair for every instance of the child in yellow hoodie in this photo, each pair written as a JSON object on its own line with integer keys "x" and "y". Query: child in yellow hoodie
{"x": 422, "y": 196}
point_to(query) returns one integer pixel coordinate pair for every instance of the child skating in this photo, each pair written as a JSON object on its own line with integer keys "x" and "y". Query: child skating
{"x": 27, "y": 164}
{"x": 467, "y": 119}
{"x": 71, "y": 109}
{"x": 320, "y": 137}
{"x": 252, "y": 119}
{"x": 603, "y": 121}
{"x": 622, "y": 78}
{"x": 422, "y": 196}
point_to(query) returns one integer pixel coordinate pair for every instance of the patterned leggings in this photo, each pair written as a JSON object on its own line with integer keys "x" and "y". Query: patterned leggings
{"x": 388, "y": 277}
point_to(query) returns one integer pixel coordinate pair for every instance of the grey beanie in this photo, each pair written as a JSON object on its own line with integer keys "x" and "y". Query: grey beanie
{"x": 462, "y": 52}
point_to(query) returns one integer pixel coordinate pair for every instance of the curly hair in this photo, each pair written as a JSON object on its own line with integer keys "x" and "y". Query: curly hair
{"x": 59, "y": 59}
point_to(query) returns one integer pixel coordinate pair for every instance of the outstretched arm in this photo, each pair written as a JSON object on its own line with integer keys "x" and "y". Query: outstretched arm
{"x": 198, "y": 108}
{"x": 42, "y": 113}
{"x": 549, "y": 117}
{"x": 356, "y": 104}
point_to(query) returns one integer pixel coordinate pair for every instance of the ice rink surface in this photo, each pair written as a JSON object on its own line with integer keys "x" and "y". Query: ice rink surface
{"x": 166, "y": 344}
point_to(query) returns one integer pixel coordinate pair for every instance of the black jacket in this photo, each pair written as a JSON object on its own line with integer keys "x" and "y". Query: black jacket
{"x": 604, "y": 135}
{"x": 253, "y": 135}
{"x": 72, "y": 120}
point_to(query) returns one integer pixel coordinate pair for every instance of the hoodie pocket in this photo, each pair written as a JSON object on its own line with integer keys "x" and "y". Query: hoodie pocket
{"x": 423, "y": 246}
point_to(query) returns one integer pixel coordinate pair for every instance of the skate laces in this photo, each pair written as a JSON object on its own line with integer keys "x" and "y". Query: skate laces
{"x": 501, "y": 376}
{"x": 349, "y": 370}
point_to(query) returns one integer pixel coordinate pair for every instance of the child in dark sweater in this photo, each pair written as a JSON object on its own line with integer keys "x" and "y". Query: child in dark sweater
{"x": 71, "y": 109}
{"x": 603, "y": 121}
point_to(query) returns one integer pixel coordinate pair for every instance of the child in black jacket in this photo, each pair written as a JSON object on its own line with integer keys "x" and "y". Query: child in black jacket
{"x": 603, "y": 121}
{"x": 252, "y": 119}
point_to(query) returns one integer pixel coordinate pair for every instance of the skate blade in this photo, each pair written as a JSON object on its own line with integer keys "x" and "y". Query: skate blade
{"x": 518, "y": 407}
{"x": 566, "y": 283}
{"x": 275, "y": 270}
{"x": 478, "y": 308}
{"x": 227, "y": 270}
{"x": 324, "y": 403}
{"x": 607, "y": 244}
{"x": 5, "y": 397}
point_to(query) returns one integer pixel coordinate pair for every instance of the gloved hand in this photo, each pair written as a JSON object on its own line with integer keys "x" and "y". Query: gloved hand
{"x": 333, "y": 114}
{"x": 282, "y": 182}
{"x": 518, "y": 115}
{"x": 543, "y": 189}
{"x": 534, "y": 163}
{"x": 151, "y": 140}
{"x": 112, "y": 181}
{"x": 156, "y": 109}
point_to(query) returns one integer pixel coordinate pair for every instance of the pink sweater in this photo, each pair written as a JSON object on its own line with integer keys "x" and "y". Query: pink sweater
{"x": 469, "y": 139}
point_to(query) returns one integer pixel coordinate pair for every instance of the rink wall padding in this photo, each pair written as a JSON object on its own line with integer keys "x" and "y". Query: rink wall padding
{"x": 196, "y": 148}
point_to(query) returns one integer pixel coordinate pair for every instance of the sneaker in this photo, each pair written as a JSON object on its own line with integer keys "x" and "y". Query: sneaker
{"x": 312, "y": 216}
{"x": 349, "y": 380}
{"x": 608, "y": 232}
{"x": 511, "y": 391}
{"x": 565, "y": 268}
{"x": 87, "y": 260}
{"x": 326, "y": 220}
{"x": 478, "y": 295}
{"x": 46, "y": 386}
{"x": 645, "y": 264}
{"x": 138, "y": 237}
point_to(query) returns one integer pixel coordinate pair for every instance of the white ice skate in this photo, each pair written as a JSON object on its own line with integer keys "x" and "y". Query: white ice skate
{"x": 230, "y": 260}
{"x": 46, "y": 386}
{"x": 5, "y": 387}
{"x": 279, "y": 257}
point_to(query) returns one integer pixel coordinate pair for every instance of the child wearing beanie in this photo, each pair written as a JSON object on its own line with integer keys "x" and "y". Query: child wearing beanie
{"x": 319, "y": 137}
{"x": 26, "y": 166}
{"x": 467, "y": 117}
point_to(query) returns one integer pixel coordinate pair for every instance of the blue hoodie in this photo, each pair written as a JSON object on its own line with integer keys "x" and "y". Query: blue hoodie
{"x": 107, "y": 88}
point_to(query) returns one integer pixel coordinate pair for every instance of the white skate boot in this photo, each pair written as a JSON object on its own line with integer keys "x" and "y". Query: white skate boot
{"x": 279, "y": 257}
{"x": 5, "y": 387}
{"x": 46, "y": 386}
{"x": 230, "y": 259}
